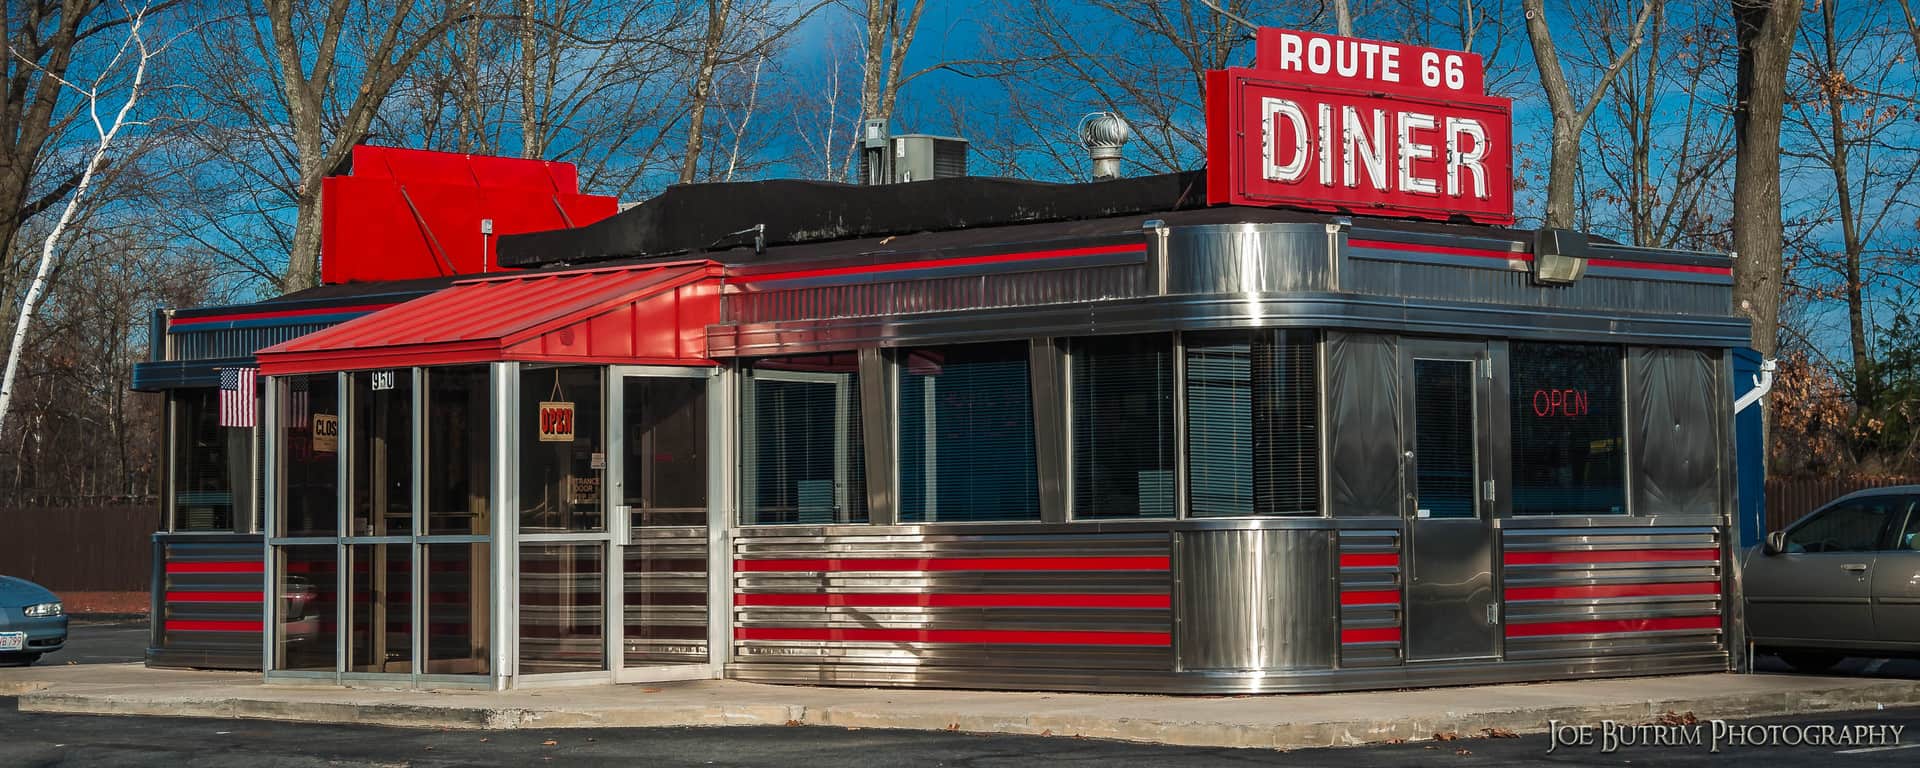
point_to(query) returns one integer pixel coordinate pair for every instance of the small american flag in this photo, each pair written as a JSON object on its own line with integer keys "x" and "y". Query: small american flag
{"x": 236, "y": 397}
{"x": 295, "y": 410}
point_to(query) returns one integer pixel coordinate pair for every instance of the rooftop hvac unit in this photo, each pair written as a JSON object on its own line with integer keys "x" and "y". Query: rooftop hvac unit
{"x": 913, "y": 157}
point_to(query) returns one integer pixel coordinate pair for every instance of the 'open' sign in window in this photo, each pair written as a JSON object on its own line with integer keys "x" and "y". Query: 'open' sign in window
{"x": 556, "y": 422}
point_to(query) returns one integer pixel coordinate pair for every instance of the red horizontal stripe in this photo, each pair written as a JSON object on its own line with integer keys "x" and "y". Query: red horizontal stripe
{"x": 1691, "y": 268}
{"x": 922, "y": 600}
{"x": 1489, "y": 253}
{"x": 1448, "y": 250}
{"x": 963, "y": 261}
{"x": 1609, "y": 626}
{"x": 281, "y": 313}
{"x": 1613, "y": 590}
{"x": 992, "y": 636}
{"x": 1386, "y": 560}
{"x": 1370, "y": 597}
{"x": 213, "y": 597}
{"x": 217, "y": 566}
{"x": 1372, "y": 635}
{"x": 954, "y": 564}
{"x": 1611, "y": 556}
{"x": 190, "y": 625}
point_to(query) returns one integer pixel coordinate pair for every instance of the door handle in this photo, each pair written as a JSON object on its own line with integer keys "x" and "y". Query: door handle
{"x": 1854, "y": 567}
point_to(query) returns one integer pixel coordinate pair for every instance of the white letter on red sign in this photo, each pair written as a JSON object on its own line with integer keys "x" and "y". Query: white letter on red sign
{"x": 1290, "y": 51}
{"x": 1411, "y": 150}
{"x": 1360, "y": 146}
{"x": 1470, "y": 159}
{"x": 1326, "y": 144}
{"x": 1273, "y": 110}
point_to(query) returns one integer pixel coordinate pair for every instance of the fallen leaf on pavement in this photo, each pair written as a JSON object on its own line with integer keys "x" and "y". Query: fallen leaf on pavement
{"x": 1446, "y": 736}
{"x": 792, "y": 723}
{"x": 1047, "y": 732}
{"x": 549, "y": 743}
{"x": 1463, "y": 751}
{"x": 1396, "y": 741}
{"x": 1499, "y": 733}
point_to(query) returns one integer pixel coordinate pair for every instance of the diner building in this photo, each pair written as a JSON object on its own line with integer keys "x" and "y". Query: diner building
{"x": 1157, "y": 433}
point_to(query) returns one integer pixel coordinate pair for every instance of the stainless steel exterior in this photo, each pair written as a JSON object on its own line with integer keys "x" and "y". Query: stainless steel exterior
{"x": 666, "y": 593}
{"x": 206, "y": 601}
{"x": 1372, "y": 597}
{"x": 1361, "y": 403}
{"x": 1253, "y": 599}
{"x": 1586, "y": 588}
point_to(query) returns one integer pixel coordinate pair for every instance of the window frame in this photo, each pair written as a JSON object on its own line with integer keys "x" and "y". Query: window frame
{"x": 1896, "y": 519}
{"x": 1279, "y": 336}
{"x": 1067, "y": 395}
{"x": 897, "y": 369}
{"x": 1625, "y": 436}
{"x": 847, "y": 457}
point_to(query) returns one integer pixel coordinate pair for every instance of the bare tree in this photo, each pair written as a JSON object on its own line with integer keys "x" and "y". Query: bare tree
{"x": 336, "y": 68}
{"x": 1765, "y": 31}
{"x": 1659, "y": 153}
{"x": 1852, "y": 126}
{"x": 1569, "y": 117}
{"x": 135, "y": 53}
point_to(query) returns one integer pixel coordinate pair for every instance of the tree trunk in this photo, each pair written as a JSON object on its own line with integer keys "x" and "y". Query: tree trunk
{"x": 718, "y": 12}
{"x": 1570, "y": 118}
{"x": 1765, "y": 32}
{"x": 532, "y": 137}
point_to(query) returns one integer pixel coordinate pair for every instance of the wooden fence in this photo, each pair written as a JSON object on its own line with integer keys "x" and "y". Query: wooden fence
{"x": 1789, "y": 498}
{"x": 104, "y": 547}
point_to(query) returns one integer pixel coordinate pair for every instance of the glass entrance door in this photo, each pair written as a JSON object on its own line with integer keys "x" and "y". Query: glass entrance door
{"x": 661, "y": 459}
{"x": 1450, "y": 548}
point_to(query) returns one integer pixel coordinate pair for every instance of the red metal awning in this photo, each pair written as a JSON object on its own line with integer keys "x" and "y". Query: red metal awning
{"x": 655, "y": 314}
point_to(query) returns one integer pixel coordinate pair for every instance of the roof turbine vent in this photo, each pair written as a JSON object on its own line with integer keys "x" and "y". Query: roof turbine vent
{"x": 1103, "y": 133}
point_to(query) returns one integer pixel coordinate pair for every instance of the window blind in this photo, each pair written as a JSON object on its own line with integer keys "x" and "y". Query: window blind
{"x": 966, "y": 439}
{"x": 1252, "y": 423}
{"x": 1123, "y": 449}
{"x": 805, "y": 458}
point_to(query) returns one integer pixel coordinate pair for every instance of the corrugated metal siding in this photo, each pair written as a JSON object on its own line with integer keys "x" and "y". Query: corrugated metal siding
{"x": 210, "y": 601}
{"x": 937, "y": 295}
{"x": 1372, "y": 593}
{"x": 1589, "y": 592}
{"x": 1446, "y": 282}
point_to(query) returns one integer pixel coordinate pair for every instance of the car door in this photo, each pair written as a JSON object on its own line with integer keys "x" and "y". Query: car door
{"x": 1817, "y": 591}
{"x": 1896, "y": 583}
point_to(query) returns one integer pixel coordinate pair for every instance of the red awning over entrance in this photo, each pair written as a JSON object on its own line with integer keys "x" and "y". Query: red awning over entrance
{"x": 654, "y": 314}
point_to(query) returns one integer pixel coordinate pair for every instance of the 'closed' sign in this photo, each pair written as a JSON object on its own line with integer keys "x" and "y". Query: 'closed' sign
{"x": 556, "y": 422}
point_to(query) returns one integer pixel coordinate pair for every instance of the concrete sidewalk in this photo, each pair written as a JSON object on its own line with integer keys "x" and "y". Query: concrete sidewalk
{"x": 1275, "y": 722}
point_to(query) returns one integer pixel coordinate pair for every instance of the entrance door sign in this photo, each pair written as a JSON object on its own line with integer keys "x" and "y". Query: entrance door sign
{"x": 1360, "y": 126}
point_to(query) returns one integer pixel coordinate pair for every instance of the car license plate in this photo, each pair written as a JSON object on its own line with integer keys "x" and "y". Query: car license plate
{"x": 13, "y": 641}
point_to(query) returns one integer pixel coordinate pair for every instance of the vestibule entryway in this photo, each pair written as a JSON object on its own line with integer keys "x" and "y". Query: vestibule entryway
{"x": 515, "y": 481}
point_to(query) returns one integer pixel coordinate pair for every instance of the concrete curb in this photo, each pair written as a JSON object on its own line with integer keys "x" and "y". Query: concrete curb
{"x": 1080, "y": 721}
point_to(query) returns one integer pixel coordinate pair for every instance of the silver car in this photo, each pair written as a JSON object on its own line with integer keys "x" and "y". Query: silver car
{"x": 32, "y": 621}
{"x": 1842, "y": 581}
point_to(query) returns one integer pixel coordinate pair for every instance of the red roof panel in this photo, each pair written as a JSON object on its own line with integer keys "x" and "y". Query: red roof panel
{"x": 651, "y": 314}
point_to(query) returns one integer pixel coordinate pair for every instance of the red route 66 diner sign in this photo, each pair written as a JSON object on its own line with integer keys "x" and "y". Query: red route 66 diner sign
{"x": 1359, "y": 126}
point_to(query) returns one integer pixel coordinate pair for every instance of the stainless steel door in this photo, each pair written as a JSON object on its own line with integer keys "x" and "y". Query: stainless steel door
{"x": 1896, "y": 584}
{"x": 1450, "y": 542}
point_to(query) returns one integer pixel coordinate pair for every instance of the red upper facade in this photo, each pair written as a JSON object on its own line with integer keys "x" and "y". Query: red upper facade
{"x": 399, "y": 214}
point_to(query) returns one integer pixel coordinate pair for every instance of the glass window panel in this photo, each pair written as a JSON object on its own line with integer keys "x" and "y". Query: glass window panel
{"x": 562, "y": 618}
{"x": 212, "y": 465}
{"x": 1252, "y": 423}
{"x": 1568, "y": 430}
{"x": 306, "y": 577}
{"x": 380, "y": 608}
{"x": 1909, "y": 537}
{"x": 804, "y": 457}
{"x": 1854, "y": 526}
{"x": 381, "y": 440}
{"x": 458, "y": 622}
{"x": 666, "y": 600}
{"x": 966, "y": 435}
{"x": 1123, "y": 434}
{"x": 1443, "y": 438}
{"x": 309, "y": 453}
{"x": 666, "y": 445}
{"x": 562, "y": 456}
{"x": 458, "y": 433}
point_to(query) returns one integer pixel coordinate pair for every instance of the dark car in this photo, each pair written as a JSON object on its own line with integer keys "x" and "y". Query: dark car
{"x": 32, "y": 621}
{"x": 1842, "y": 581}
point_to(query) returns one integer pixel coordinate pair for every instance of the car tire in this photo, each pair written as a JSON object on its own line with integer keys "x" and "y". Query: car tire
{"x": 1810, "y": 662}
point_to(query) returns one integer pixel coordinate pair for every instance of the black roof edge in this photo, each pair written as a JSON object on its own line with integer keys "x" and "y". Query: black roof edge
{"x": 706, "y": 217}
